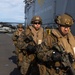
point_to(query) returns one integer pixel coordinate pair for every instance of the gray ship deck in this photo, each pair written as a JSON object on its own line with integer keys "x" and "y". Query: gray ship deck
{"x": 7, "y": 58}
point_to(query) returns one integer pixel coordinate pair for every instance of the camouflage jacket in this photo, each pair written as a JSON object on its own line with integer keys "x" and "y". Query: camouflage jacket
{"x": 31, "y": 33}
{"x": 45, "y": 49}
{"x": 16, "y": 36}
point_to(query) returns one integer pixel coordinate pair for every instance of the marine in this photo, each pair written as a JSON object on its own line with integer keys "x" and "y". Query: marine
{"x": 15, "y": 38}
{"x": 58, "y": 46}
{"x": 33, "y": 36}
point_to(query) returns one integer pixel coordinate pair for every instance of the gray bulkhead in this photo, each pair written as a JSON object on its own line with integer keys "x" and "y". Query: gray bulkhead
{"x": 49, "y": 9}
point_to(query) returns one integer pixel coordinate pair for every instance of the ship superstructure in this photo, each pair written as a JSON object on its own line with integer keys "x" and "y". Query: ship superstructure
{"x": 48, "y": 10}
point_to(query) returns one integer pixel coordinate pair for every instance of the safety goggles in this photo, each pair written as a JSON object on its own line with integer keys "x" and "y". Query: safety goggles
{"x": 37, "y": 22}
{"x": 65, "y": 26}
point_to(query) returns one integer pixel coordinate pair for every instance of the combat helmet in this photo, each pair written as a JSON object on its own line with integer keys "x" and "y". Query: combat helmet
{"x": 19, "y": 26}
{"x": 64, "y": 19}
{"x": 36, "y": 19}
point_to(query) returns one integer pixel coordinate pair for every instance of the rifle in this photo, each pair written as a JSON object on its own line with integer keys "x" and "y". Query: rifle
{"x": 30, "y": 48}
{"x": 66, "y": 56}
{"x": 65, "y": 60}
{"x": 29, "y": 39}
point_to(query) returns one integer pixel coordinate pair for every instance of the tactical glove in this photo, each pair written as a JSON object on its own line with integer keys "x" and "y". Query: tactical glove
{"x": 56, "y": 56}
{"x": 28, "y": 39}
{"x": 31, "y": 49}
{"x": 17, "y": 36}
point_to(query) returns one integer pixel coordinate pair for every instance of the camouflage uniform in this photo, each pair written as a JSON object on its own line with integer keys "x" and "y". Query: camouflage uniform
{"x": 30, "y": 65}
{"x": 67, "y": 42}
{"x": 15, "y": 38}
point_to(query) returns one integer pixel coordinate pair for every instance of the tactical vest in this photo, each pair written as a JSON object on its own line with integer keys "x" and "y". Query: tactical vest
{"x": 37, "y": 35}
{"x": 67, "y": 43}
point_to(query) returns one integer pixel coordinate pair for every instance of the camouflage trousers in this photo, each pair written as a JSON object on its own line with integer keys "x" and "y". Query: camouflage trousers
{"x": 29, "y": 66}
{"x": 73, "y": 65}
{"x": 19, "y": 57}
{"x": 17, "y": 51}
{"x": 43, "y": 70}
{"x": 52, "y": 71}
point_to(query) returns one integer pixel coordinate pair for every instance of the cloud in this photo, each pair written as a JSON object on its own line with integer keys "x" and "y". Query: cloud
{"x": 12, "y": 10}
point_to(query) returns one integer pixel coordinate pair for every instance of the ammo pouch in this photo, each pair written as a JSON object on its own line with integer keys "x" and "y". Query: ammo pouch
{"x": 29, "y": 58}
{"x": 20, "y": 57}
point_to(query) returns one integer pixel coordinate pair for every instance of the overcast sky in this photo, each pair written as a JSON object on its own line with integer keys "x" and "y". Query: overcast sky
{"x": 12, "y": 11}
